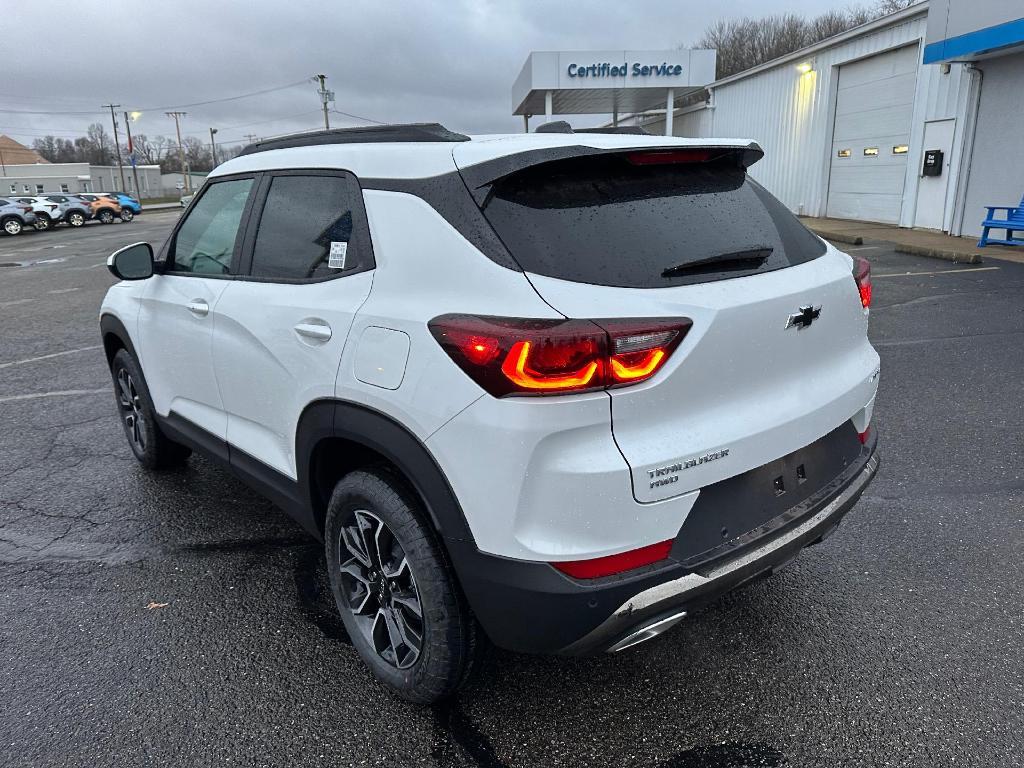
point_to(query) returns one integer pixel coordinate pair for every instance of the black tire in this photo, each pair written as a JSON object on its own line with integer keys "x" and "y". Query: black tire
{"x": 127, "y": 215}
{"x": 451, "y": 641}
{"x": 42, "y": 223}
{"x": 75, "y": 219}
{"x": 151, "y": 447}
{"x": 12, "y": 225}
{"x": 105, "y": 216}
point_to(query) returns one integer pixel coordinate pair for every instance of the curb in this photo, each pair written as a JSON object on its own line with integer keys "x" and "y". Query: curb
{"x": 957, "y": 257}
{"x": 839, "y": 237}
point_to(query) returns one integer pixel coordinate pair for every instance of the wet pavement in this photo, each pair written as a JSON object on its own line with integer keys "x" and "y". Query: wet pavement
{"x": 179, "y": 619}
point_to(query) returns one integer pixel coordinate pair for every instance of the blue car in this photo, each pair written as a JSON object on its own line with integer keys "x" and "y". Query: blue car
{"x": 127, "y": 202}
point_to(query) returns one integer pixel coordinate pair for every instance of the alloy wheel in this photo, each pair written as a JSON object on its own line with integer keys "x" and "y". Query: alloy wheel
{"x": 127, "y": 215}
{"x": 12, "y": 227}
{"x": 41, "y": 224}
{"x": 131, "y": 410}
{"x": 380, "y": 588}
{"x": 76, "y": 219}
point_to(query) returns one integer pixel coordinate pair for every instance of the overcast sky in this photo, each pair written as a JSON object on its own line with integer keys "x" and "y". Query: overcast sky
{"x": 451, "y": 61}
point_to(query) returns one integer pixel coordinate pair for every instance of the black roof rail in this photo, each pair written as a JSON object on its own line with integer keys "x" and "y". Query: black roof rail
{"x": 375, "y": 134}
{"x": 557, "y": 126}
{"x": 632, "y": 130}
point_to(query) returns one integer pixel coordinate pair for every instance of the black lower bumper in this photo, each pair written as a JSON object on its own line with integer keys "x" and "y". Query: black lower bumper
{"x": 532, "y": 608}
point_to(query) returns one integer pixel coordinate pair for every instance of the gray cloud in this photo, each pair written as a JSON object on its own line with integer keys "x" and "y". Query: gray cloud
{"x": 400, "y": 61}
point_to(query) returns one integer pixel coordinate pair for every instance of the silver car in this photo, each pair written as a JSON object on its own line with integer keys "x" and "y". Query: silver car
{"x": 74, "y": 211}
{"x": 14, "y": 217}
{"x": 48, "y": 213}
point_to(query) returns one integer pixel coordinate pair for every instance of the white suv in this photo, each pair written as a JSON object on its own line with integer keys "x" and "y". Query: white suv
{"x": 556, "y": 390}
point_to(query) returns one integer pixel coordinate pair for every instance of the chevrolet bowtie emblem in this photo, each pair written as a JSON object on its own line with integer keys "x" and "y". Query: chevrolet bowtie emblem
{"x": 804, "y": 317}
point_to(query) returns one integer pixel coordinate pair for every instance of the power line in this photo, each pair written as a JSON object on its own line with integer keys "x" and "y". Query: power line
{"x": 358, "y": 117}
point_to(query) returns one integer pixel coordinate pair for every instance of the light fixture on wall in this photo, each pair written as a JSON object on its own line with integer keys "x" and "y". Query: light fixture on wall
{"x": 804, "y": 67}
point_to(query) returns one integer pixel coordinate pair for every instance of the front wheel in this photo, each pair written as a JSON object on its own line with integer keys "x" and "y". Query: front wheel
{"x": 105, "y": 216}
{"x": 42, "y": 222}
{"x": 76, "y": 219}
{"x": 127, "y": 215}
{"x": 397, "y": 596}
{"x": 151, "y": 446}
{"x": 12, "y": 226}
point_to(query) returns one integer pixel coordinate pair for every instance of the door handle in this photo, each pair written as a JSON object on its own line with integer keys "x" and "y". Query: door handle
{"x": 318, "y": 330}
{"x": 198, "y": 307}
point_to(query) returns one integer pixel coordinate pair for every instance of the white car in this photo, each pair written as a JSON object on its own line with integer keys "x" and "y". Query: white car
{"x": 552, "y": 390}
{"x": 47, "y": 212}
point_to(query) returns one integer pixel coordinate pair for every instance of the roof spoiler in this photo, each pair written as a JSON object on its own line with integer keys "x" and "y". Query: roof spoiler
{"x": 410, "y": 132}
{"x": 561, "y": 126}
{"x": 480, "y": 176}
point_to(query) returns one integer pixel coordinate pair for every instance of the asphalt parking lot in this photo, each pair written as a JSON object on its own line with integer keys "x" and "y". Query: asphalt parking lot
{"x": 179, "y": 619}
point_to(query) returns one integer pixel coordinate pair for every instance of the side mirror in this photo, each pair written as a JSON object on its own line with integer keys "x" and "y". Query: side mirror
{"x": 133, "y": 262}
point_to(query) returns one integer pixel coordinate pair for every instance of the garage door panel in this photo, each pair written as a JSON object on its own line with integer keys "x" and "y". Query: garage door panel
{"x": 880, "y": 207}
{"x": 867, "y": 179}
{"x": 899, "y": 62}
{"x": 874, "y": 108}
{"x": 876, "y": 123}
{"x": 892, "y": 91}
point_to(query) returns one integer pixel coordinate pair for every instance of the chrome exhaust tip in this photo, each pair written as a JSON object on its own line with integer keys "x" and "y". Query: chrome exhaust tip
{"x": 647, "y": 632}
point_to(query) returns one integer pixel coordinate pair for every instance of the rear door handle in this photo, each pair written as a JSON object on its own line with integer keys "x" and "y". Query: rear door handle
{"x": 315, "y": 329}
{"x": 198, "y": 307}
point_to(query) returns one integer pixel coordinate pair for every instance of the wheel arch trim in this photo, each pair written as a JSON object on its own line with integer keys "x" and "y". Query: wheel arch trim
{"x": 362, "y": 425}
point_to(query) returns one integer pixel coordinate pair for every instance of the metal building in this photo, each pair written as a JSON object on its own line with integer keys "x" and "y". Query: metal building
{"x": 913, "y": 119}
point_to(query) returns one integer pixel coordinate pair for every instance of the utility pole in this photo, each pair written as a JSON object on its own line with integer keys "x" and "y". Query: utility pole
{"x": 117, "y": 145}
{"x": 131, "y": 156}
{"x": 213, "y": 147}
{"x": 252, "y": 138}
{"x": 325, "y": 97}
{"x": 186, "y": 177}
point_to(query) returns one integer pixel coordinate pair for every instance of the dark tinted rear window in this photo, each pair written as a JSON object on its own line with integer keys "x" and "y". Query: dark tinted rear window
{"x": 605, "y": 221}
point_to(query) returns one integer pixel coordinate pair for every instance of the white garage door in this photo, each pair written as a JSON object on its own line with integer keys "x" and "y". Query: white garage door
{"x": 874, "y": 107}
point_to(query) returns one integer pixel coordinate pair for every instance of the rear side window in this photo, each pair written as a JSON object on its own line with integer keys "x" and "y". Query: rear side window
{"x": 312, "y": 227}
{"x": 607, "y": 220}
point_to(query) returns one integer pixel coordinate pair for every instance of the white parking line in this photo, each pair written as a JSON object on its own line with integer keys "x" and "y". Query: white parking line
{"x": 938, "y": 272}
{"x": 63, "y": 290}
{"x": 866, "y": 248}
{"x": 50, "y": 356}
{"x": 15, "y": 302}
{"x": 59, "y": 393}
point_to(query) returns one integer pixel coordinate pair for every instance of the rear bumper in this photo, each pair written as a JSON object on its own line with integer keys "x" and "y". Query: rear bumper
{"x": 532, "y": 608}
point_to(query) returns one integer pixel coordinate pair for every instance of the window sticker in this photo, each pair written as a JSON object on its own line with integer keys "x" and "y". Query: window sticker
{"x": 336, "y": 257}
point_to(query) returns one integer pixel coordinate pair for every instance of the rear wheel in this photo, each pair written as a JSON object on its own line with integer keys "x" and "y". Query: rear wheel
{"x": 12, "y": 226}
{"x": 106, "y": 216}
{"x": 126, "y": 214}
{"x": 42, "y": 222}
{"x": 151, "y": 447}
{"x": 75, "y": 219}
{"x": 397, "y": 595}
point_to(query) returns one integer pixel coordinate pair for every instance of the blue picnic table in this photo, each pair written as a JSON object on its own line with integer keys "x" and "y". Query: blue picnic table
{"x": 1013, "y": 222}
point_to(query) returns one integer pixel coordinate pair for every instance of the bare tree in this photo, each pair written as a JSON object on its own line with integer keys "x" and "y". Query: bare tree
{"x": 746, "y": 42}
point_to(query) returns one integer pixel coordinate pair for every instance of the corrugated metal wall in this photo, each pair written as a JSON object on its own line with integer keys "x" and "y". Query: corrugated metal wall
{"x": 792, "y": 115}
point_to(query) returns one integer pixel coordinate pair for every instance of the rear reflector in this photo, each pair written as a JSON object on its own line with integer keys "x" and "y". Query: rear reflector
{"x": 612, "y": 564}
{"x": 862, "y": 276}
{"x": 863, "y": 436}
{"x": 520, "y": 356}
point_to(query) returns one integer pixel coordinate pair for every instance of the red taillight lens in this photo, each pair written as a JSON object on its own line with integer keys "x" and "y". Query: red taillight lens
{"x": 863, "y": 436}
{"x": 27, "y": 208}
{"x": 513, "y": 356}
{"x": 612, "y": 564}
{"x": 862, "y": 274}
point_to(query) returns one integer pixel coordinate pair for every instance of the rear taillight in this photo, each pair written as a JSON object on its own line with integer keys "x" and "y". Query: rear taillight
{"x": 862, "y": 275}
{"x": 516, "y": 356}
{"x": 863, "y": 436}
{"x": 27, "y": 208}
{"x": 664, "y": 157}
{"x": 52, "y": 207}
{"x": 612, "y": 564}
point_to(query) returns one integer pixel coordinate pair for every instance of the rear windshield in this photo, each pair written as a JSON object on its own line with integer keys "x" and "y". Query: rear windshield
{"x": 607, "y": 221}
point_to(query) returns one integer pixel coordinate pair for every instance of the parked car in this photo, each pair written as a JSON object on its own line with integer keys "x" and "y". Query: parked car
{"x": 567, "y": 390}
{"x": 104, "y": 209}
{"x": 74, "y": 210}
{"x": 130, "y": 207}
{"x": 14, "y": 217}
{"x": 186, "y": 199}
{"x": 48, "y": 213}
